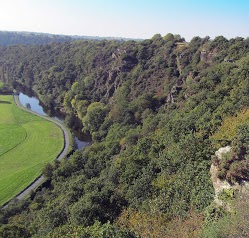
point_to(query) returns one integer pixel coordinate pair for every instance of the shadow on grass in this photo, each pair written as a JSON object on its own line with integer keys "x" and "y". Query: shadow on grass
{"x": 4, "y": 102}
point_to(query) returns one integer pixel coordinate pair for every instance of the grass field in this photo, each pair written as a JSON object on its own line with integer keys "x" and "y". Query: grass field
{"x": 27, "y": 143}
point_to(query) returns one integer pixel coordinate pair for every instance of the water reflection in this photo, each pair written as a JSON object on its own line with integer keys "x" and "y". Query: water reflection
{"x": 33, "y": 102}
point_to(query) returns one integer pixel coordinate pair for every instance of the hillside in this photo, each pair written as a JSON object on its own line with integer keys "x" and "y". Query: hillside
{"x": 30, "y": 38}
{"x": 155, "y": 110}
{"x": 34, "y": 38}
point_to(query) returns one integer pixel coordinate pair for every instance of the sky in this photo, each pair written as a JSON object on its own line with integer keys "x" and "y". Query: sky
{"x": 128, "y": 18}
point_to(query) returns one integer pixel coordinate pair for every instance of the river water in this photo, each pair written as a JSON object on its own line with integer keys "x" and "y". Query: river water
{"x": 34, "y": 104}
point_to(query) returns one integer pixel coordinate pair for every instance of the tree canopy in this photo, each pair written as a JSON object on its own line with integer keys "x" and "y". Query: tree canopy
{"x": 156, "y": 111}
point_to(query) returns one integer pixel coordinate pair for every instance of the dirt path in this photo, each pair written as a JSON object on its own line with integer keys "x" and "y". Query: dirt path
{"x": 63, "y": 153}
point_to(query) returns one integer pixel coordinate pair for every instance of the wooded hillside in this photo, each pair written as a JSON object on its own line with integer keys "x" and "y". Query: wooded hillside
{"x": 154, "y": 110}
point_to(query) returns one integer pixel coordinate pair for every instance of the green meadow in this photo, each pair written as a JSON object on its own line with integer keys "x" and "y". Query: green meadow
{"x": 27, "y": 143}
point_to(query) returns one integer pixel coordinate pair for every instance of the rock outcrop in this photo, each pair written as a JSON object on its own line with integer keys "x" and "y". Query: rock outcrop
{"x": 221, "y": 185}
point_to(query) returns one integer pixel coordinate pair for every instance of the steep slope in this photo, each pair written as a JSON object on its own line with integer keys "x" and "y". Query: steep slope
{"x": 152, "y": 108}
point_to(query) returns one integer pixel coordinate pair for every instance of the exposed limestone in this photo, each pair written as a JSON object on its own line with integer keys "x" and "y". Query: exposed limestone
{"x": 207, "y": 56}
{"x": 220, "y": 185}
{"x": 222, "y": 151}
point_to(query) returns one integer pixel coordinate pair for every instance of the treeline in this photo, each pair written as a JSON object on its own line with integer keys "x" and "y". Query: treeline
{"x": 30, "y": 38}
{"x": 34, "y": 38}
{"x": 152, "y": 109}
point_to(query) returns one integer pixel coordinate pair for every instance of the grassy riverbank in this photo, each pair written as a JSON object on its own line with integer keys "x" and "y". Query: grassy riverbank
{"x": 27, "y": 143}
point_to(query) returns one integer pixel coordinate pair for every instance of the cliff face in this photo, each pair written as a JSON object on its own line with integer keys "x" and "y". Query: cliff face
{"x": 218, "y": 184}
{"x": 168, "y": 69}
{"x": 223, "y": 186}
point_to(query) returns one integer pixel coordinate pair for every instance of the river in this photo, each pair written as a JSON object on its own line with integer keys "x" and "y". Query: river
{"x": 35, "y": 105}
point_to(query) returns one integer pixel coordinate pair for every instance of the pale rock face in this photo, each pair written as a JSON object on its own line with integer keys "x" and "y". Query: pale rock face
{"x": 222, "y": 151}
{"x": 219, "y": 184}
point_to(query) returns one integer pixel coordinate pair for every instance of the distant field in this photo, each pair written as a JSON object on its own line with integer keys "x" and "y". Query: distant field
{"x": 27, "y": 143}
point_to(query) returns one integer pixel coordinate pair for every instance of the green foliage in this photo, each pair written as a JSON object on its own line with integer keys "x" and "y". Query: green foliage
{"x": 48, "y": 171}
{"x": 226, "y": 195}
{"x": 5, "y": 88}
{"x": 157, "y": 224}
{"x": 97, "y": 230}
{"x": 157, "y": 111}
{"x": 168, "y": 37}
{"x": 228, "y": 129}
{"x": 231, "y": 224}
{"x": 234, "y": 167}
{"x": 14, "y": 38}
{"x": 12, "y": 231}
{"x": 213, "y": 213}
{"x": 94, "y": 117}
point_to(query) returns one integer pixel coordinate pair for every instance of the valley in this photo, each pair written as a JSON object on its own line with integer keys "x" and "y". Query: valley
{"x": 28, "y": 142}
{"x": 156, "y": 111}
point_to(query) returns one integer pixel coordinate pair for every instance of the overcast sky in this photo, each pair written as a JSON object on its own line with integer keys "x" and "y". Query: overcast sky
{"x": 128, "y": 18}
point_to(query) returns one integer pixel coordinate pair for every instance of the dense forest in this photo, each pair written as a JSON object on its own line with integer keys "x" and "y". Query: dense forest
{"x": 33, "y": 38}
{"x": 30, "y": 38}
{"x": 156, "y": 110}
